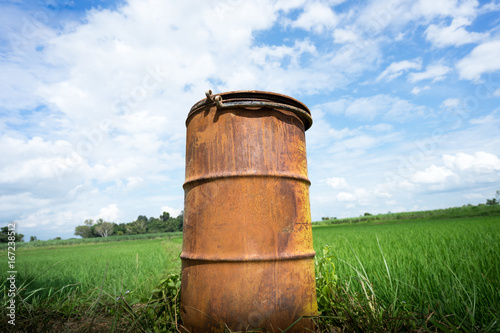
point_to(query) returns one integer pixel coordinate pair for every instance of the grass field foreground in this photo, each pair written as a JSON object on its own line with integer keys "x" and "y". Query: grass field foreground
{"x": 404, "y": 275}
{"x": 443, "y": 272}
{"x": 133, "y": 265}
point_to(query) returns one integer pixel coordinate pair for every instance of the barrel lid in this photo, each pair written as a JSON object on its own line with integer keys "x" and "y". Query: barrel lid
{"x": 258, "y": 98}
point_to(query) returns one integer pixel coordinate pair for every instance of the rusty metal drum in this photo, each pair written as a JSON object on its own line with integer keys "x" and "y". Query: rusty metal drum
{"x": 247, "y": 253}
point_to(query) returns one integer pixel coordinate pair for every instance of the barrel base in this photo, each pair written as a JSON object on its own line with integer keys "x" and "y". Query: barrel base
{"x": 252, "y": 295}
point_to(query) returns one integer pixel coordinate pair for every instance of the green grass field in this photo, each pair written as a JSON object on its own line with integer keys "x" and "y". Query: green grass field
{"x": 136, "y": 266}
{"x": 448, "y": 268}
{"x": 421, "y": 274}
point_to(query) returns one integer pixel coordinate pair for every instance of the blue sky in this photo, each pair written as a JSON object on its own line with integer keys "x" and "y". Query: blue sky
{"x": 405, "y": 98}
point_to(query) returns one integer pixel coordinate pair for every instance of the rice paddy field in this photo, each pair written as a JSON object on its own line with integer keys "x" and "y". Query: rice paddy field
{"x": 420, "y": 274}
{"x": 445, "y": 272}
{"x": 115, "y": 267}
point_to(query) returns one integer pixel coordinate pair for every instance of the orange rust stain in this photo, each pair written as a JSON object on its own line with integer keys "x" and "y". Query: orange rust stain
{"x": 247, "y": 257}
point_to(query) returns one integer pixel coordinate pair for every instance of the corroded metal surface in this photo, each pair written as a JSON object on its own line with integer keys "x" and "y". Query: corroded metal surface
{"x": 247, "y": 257}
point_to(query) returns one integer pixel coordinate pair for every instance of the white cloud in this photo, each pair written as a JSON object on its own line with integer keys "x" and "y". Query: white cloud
{"x": 368, "y": 108}
{"x": 434, "y": 8}
{"x": 32, "y": 169}
{"x": 337, "y": 182}
{"x": 399, "y": 37}
{"x": 143, "y": 122}
{"x": 360, "y": 142}
{"x": 341, "y": 134}
{"x": 56, "y": 222}
{"x": 378, "y": 16}
{"x": 362, "y": 197}
{"x": 345, "y": 196}
{"x": 490, "y": 120}
{"x": 38, "y": 166}
{"x": 109, "y": 213}
{"x": 435, "y": 72}
{"x": 342, "y": 36}
{"x": 397, "y": 68}
{"x": 13, "y": 203}
{"x": 133, "y": 183}
{"x": 440, "y": 8}
{"x": 381, "y": 128}
{"x": 454, "y": 34}
{"x": 480, "y": 162}
{"x": 497, "y": 93}
{"x": 418, "y": 90}
{"x": 459, "y": 170}
{"x": 482, "y": 59}
{"x": 325, "y": 138}
{"x": 406, "y": 185}
{"x": 316, "y": 17}
{"x": 474, "y": 196}
{"x": 273, "y": 55}
{"x": 432, "y": 175}
{"x": 174, "y": 212}
{"x": 489, "y": 7}
{"x": 451, "y": 103}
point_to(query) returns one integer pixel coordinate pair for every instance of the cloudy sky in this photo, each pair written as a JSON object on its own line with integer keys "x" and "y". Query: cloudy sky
{"x": 405, "y": 98}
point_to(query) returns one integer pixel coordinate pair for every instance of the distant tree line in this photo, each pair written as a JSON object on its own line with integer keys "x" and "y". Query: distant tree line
{"x": 494, "y": 201}
{"x": 489, "y": 202}
{"x": 142, "y": 225}
{"x": 4, "y": 236}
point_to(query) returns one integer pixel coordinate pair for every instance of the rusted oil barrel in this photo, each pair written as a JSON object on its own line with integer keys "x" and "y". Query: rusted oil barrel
{"x": 247, "y": 254}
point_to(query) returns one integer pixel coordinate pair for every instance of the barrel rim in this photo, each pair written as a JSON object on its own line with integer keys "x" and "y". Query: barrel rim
{"x": 249, "y": 96}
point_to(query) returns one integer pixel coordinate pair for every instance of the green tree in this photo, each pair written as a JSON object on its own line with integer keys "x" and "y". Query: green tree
{"x": 165, "y": 216}
{"x": 93, "y": 230}
{"x": 137, "y": 227}
{"x": 171, "y": 225}
{"x": 83, "y": 231}
{"x": 33, "y": 239}
{"x": 180, "y": 221}
{"x": 5, "y": 233}
{"x": 104, "y": 229}
{"x": 495, "y": 200}
{"x": 491, "y": 202}
{"x": 142, "y": 218}
{"x": 120, "y": 229}
{"x": 156, "y": 225}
